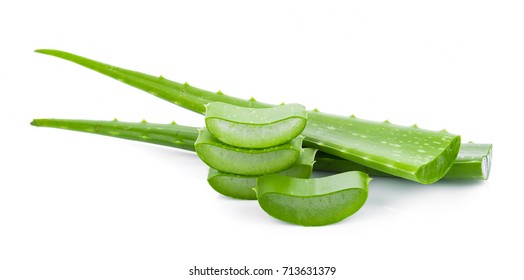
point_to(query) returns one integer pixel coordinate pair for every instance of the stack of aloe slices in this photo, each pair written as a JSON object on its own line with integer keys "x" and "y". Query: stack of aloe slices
{"x": 344, "y": 144}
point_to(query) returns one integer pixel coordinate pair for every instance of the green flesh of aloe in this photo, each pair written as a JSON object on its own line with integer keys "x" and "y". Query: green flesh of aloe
{"x": 472, "y": 162}
{"x": 255, "y": 127}
{"x": 312, "y": 202}
{"x": 244, "y": 161}
{"x": 425, "y": 162}
{"x": 241, "y": 187}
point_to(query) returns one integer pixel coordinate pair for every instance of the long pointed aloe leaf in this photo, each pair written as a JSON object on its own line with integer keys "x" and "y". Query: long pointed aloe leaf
{"x": 172, "y": 135}
{"x": 472, "y": 162}
{"x": 415, "y": 154}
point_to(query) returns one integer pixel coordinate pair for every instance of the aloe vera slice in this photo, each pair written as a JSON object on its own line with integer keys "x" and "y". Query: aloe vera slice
{"x": 241, "y": 187}
{"x": 243, "y": 161}
{"x": 255, "y": 127}
{"x": 473, "y": 162}
{"x": 466, "y": 166}
{"x": 329, "y": 133}
{"x": 313, "y": 202}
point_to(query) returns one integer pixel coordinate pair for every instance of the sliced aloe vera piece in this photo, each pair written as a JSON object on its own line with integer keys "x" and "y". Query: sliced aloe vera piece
{"x": 473, "y": 162}
{"x": 255, "y": 127}
{"x": 329, "y": 133}
{"x": 243, "y": 161}
{"x": 241, "y": 187}
{"x": 313, "y": 202}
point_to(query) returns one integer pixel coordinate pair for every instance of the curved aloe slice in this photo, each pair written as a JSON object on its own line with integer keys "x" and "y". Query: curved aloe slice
{"x": 313, "y": 202}
{"x": 255, "y": 127}
{"x": 473, "y": 162}
{"x": 243, "y": 161}
{"x": 241, "y": 187}
{"x": 466, "y": 165}
{"x": 416, "y": 161}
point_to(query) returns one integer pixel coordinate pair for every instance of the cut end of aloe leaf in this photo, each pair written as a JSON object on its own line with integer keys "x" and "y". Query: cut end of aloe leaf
{"x": 255, "y": 127}
{"x": 313, "y": 202}
{"x": 473, "y": 162}
{"x": 440, "y": 165}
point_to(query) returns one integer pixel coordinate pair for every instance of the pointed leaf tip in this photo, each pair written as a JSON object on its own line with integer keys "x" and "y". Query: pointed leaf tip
{"x": 353, "y": 116}
{"x": 115, "y": 119}
{"x": 144, "y": 121}
{"x": 220, "y": 92}
{"x": 387, "y": 121}
{"x": 35, "y": 122}
{"x": 414, "y": 125}
{"x": 252, "y": 99}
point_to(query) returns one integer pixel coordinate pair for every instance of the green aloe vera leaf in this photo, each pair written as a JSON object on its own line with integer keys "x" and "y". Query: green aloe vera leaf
{"x": 312, "y": 202}
{"x": 241, "y": 187}
{"x": 255, "y": 127}
{"x": 465, "y": 166}
{"x": 473, "y": 162}
{"x": 172, "y": 135}
{"x": 408, "y": 152}
{"x": 242, "y": 161}
{"x": 183, "y": 95}
{"x": 329, "y": 133}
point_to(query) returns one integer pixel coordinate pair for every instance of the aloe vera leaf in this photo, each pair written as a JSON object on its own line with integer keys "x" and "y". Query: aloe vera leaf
{"x": 408, "y": 152}
{"x": 466, "y": 165}
{"x": 312, "y": 202}
{"x": 473, "y": 162}
{"x": 183, "y": 95}
{"x": 241, "y": 187}
{"x": 255, "y": 127}
{"x": 172, "y": 135}
{"x": 425, "y": 162}
{"x": 231, "y": 159}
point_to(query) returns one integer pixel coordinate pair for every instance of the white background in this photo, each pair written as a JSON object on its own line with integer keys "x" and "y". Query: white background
{"x": 80, "y": 206}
